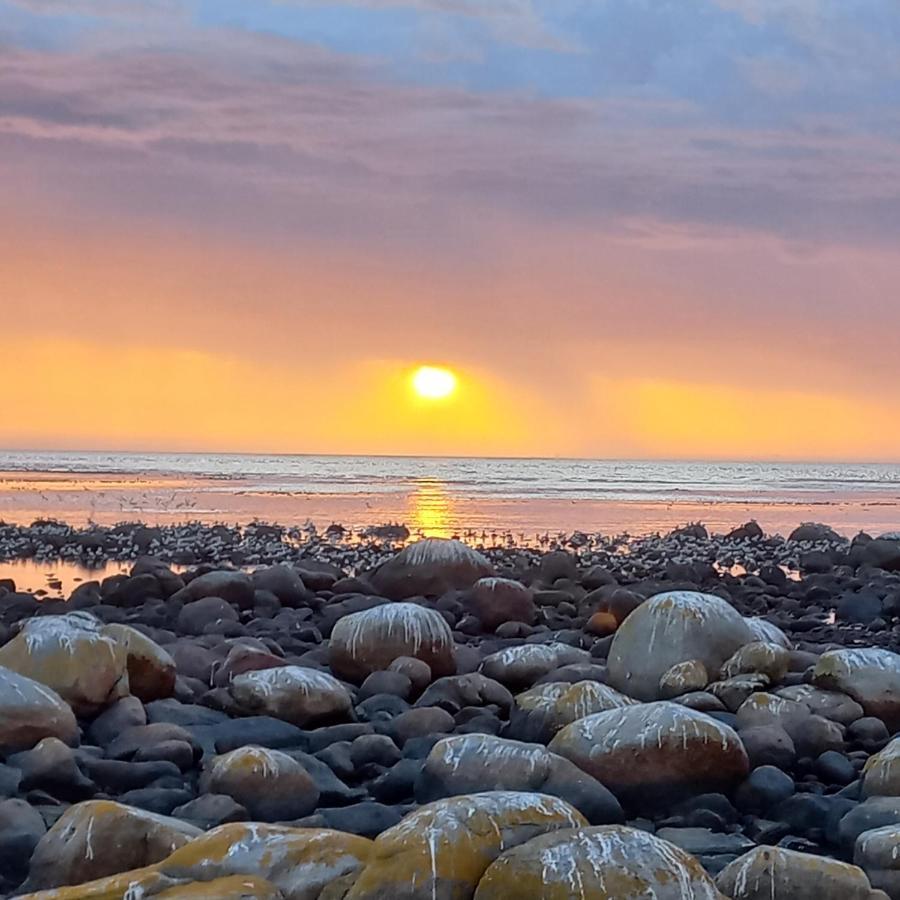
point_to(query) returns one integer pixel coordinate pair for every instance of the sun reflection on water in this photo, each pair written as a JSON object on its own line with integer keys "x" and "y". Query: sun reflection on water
{"x": 431, "y": 511}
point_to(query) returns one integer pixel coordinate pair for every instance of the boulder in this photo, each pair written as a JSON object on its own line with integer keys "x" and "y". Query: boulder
{"x": 283, "y": 581}
{"x": 763, "y": 630}
{"x": 881, "y": 773}
{"x": 235, "y": 887}
{"x": 870, "y": 676}
{"x": 300, "y": 862}
{"x": 606, "y": 863}
{"x": 814, "y": 532}
{"x": 473, "y": 763}
{"x": 30, "y": 711}
{"x": 151, "y": 671}
{"x": 205, "y": 615}
{"x": 686, "y": 677}
{"x": 829, "y": 704}
{"x": 878, "y": 852}
{"x": 774, "y": 872}
{"x": 767, "y": 659}
{"x": 655, "y": 753}
{"x": 671, "y": 628}
{"x": 293, "y": 694}
{"x": 456, "y": 692}
{"x": 443, "y": 849}
{"x": 269, "y": 784}
{"x": 430, "y": 568}
{"x": 371, "y": 640}
{"x": 497, "y": 600}
{"x": 71, "y": 655}
{"x": 520, "y": 667}
{"x": 99, "y": 838}
{"x": 544, "y": 710}
{"x": 231, "y": 586}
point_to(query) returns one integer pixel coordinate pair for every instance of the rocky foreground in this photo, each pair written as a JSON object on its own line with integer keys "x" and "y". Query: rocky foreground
{"x": 616, "y": 719}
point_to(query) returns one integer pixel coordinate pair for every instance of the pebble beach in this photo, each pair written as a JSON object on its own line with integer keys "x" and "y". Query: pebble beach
{"x": 282, "y": 712}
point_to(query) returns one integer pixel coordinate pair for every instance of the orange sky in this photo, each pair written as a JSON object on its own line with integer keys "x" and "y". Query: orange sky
{"x": 244, "y": 235}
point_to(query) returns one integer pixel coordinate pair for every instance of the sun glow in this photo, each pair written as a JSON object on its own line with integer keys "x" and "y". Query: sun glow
{"x": 433, "y": 383}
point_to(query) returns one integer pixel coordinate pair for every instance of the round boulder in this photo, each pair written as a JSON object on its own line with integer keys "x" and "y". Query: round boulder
{"x": 429, "y": 568}
{"x": 520, "y": 667}
{"x": 442, "y": 849}
{"x": 30, "y": 712}
{"x": 292, "y": 693}
{"x": 497, "y": 600}
{"x": 369, "y": 641}
{"x": 98, "y": 838}
{"x": 656, "y": 752}
{"x": 270, "y": 785}
{"x": 768, "y": 872}
{"x": 71, "y": 655}
{"x": 672, "y": 628}
{"x": 544, "y": 710}
{"x": 151, "y": 671}
{"x": 881, "y": 773}
{"x": 472, "y": 763}
{"x": 760, "y": 658}
{"x": 606, "y": 863}
{"x": 300, "y": 862}
{"x": 870, "y": 676}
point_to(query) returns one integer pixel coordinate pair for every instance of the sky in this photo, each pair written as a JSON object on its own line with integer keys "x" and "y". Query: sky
{"x": 632, "y": 228}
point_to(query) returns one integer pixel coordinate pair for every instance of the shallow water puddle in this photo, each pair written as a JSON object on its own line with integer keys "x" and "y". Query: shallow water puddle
{"x": 58, "y": 578}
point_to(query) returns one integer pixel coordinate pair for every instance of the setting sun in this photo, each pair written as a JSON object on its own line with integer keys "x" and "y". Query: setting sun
{"x": 433, "y": 383}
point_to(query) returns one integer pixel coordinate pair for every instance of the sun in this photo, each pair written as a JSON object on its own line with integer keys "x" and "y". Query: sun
{"x": 433, "y": 382}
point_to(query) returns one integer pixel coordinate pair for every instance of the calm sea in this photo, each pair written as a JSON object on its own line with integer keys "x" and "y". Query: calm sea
{"x": 442, "y": 495}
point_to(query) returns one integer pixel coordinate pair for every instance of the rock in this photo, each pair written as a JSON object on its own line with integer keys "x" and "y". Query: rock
{"x": 767, "y": 659}
{"x": 764, "y": 631}
{"x": 283, "y": 581}
{"x": 443, "y": 849}
{"x": 497, "y": 600}
{"x": 813, "y": 533}
{"x": 242, "y": 659}
{"x": 869, "y": 733}
{"x": 211, "y": 810}
{"x": 416, "y": 670}
{"x": 769, "y": 745}
{"x": 655, "y": 753}
{"x": 474, "y": 763}
{"x": 430, "y": 568}
{"x": 235, "y": 887}
{"x": 876, "y": 812}
{"x": 21, "y": 828}
{"x": 734, "y": 691}
{"x": 829, "y": 704}
{"x": 420, "y": 722}
{"x": 235, "y": 588}
{"x": 834, "y": 768}
{"x": 709, "y": 847}
{"x": 546, "y": 709}
{"x": 300, "y": 862}
{"x": 369, "y": 641}
{"x": 71, "y": 655}
{"x": 672, "y": 628}
{"x": 51, "y": 767}
{"x": 881, "y": 773}
{"x": 749, "y": 531}
{"x": 764, "y": 789}
{"x": 270, "y": 785}
{"x": 30, "y": 711}
{"x": 768, "y": 872}
{"x": 293, "y": 694}
{"x": 520, "y": 667}
{"x": 457, "y": 692}
{"x": 609, "y": 863}
{"x": 870, "y": 676}
{"x": 151, "y": 671}
{"x": 365, "y": 819}
{"x": 386, "y": 682}
{"x": 98, "y": 838}
{"x": 878, "y": 853}
{"x": 685, "y": 677}
{"x": 196, "y": 616}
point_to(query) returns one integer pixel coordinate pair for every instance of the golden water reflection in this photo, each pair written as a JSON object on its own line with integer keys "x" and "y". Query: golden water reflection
{"x": 431, "y": 511}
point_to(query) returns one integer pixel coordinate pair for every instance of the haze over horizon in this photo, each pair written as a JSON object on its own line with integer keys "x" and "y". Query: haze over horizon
{"x": 632, "y": 229}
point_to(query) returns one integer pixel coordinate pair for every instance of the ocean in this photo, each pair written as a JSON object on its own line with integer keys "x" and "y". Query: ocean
{"x": 442, "y": 496}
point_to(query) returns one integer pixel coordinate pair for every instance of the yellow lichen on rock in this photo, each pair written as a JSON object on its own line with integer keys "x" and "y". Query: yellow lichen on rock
{"x": 442, "y": 849}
